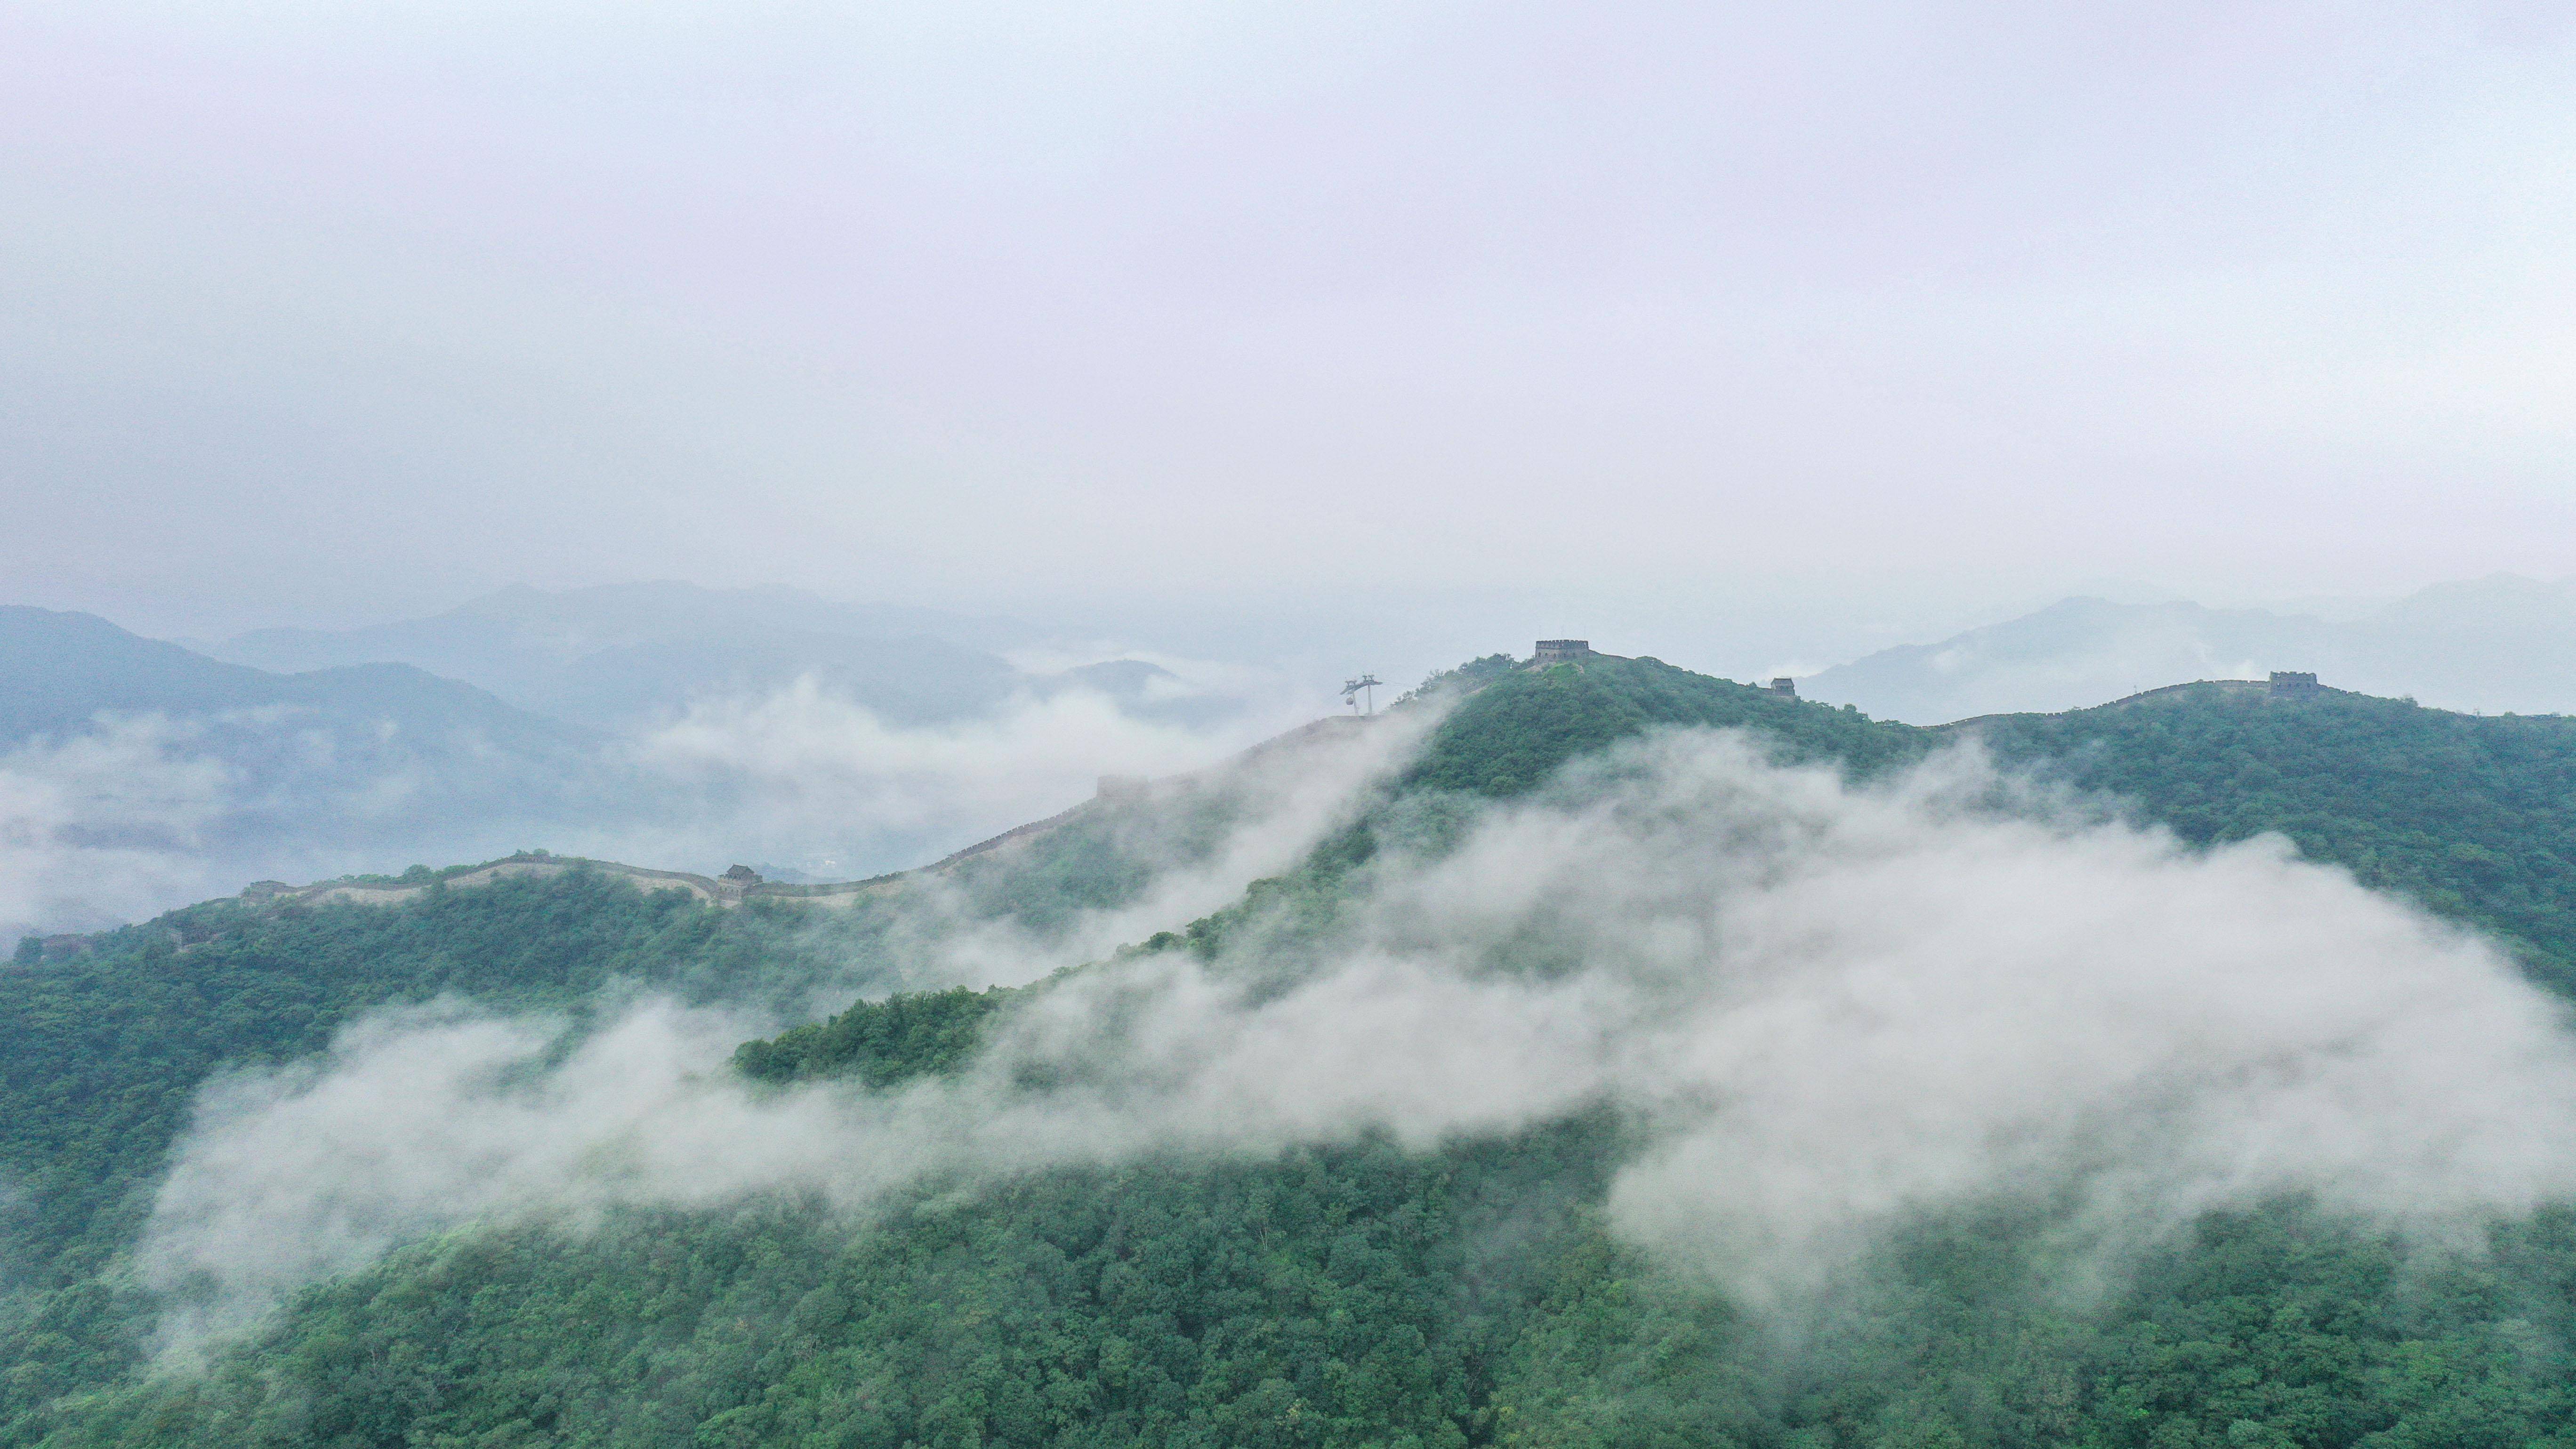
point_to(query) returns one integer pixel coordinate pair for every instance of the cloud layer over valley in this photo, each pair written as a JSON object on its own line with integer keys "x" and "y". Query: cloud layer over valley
{"x": 662, "y": 725}
{"x": 131, "y": 814}
{"x": 1824, "y": 1007}
{"x": 106, "y": 825}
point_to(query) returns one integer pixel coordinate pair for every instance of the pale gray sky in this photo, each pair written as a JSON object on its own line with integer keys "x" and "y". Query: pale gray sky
{"x": 1822, "y": 325}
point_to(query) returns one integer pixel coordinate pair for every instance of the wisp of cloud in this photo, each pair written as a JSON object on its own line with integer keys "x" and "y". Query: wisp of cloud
{"x": 106, "y": 824}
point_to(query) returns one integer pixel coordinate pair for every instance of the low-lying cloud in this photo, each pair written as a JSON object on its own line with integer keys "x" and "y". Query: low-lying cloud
{"x": 1825, "y": 1007}
{"x": 139, "y": 814}
{"x": 803, "y": 770}
{"x": 106, "y": 825}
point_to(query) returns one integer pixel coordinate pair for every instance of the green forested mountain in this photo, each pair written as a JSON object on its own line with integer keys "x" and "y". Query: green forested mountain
{"x": 106, "y": 1048}
{"x": 2469, "y": 814}
{"x": 1356, "y": 1293}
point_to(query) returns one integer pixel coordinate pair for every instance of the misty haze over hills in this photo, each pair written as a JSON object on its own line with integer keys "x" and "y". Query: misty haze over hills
{"x": 658, "y": 722}
{"x": 514, "y": 463}
{"x": 689, "y": 727}
{"x": 64, "y": 670}
{"x": 1565, "y": 1029}
{"x": 619, "y": 653}
{"x": 134, "y": 772}
{"x": 2498, "y": 644}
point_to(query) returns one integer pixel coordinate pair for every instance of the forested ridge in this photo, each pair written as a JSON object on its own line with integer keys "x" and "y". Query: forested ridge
{"x": 107, "y": 1049}
{"x": 1353, "y": 1294}
{"x": 2469, "y": 814}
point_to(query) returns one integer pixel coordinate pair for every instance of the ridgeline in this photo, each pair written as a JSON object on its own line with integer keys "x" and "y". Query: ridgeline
{"x": 1347, "y": 1295}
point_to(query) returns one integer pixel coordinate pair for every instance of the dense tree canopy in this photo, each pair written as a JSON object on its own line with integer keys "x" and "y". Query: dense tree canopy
{"x": 2468, "y": 814}
{"x": 1360, "y": 1294}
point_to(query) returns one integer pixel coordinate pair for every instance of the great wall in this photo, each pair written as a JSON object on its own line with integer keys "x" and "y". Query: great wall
{"x": 735, "y": 887}
{"x": 2283, "y": 686}
{"x": 740, "y": 884}
{"x": 729, "y": 889}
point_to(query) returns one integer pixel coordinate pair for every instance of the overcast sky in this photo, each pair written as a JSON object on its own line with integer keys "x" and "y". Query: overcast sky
{"x": 1835, "y": 324}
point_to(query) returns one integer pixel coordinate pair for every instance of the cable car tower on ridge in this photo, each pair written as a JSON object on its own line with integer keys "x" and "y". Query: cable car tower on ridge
{"x": 1351, "y": 690}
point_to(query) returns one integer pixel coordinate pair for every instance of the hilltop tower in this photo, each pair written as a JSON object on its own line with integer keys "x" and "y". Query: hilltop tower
{"x": 1561, "y": 651}
{"x": 2287, "y": 684}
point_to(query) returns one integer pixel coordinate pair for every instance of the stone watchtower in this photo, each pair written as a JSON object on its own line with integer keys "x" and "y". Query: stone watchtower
{"x": 2287, "y": 684}
{"x": 1561, "y": 651}
{"x": 1783, "y": 686}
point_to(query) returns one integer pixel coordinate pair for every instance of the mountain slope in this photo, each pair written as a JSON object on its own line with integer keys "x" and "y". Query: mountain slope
{"x": 134, "y": 773}
{"x": 2469, "y": 815}
{"x": 1471, "y": 1289}
{"x": 1515, "y": 728}
{"x": 58, "y": 670}
{"x": 107, "y": 1047}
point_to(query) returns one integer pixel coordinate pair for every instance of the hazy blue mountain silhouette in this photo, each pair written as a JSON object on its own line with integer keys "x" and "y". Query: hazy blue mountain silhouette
{"x": 2497, "y": 644}
{"x": 140, "y": 772}
{"x": 620, "y": 653}
{"x": 60, "y": 670}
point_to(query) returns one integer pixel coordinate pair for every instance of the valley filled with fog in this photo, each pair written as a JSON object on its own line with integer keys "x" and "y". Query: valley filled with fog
{"x": 668, "y": 726}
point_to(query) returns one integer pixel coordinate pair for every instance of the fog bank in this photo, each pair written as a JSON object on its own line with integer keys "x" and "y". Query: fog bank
{"x": 136, "y": 814}
{"x": 1826, "y": 1008}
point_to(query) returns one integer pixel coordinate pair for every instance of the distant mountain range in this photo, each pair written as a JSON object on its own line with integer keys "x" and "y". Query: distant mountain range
{"x": 62, "y": 670}
{"x": 698, "y": 726}
{"x": 2496, "y": 644}
{"x": 1960, "y": 1132}
{"x": 620, "y": 654}
{"x": 132, "y": 769}
{"x": 691, "y": 724}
